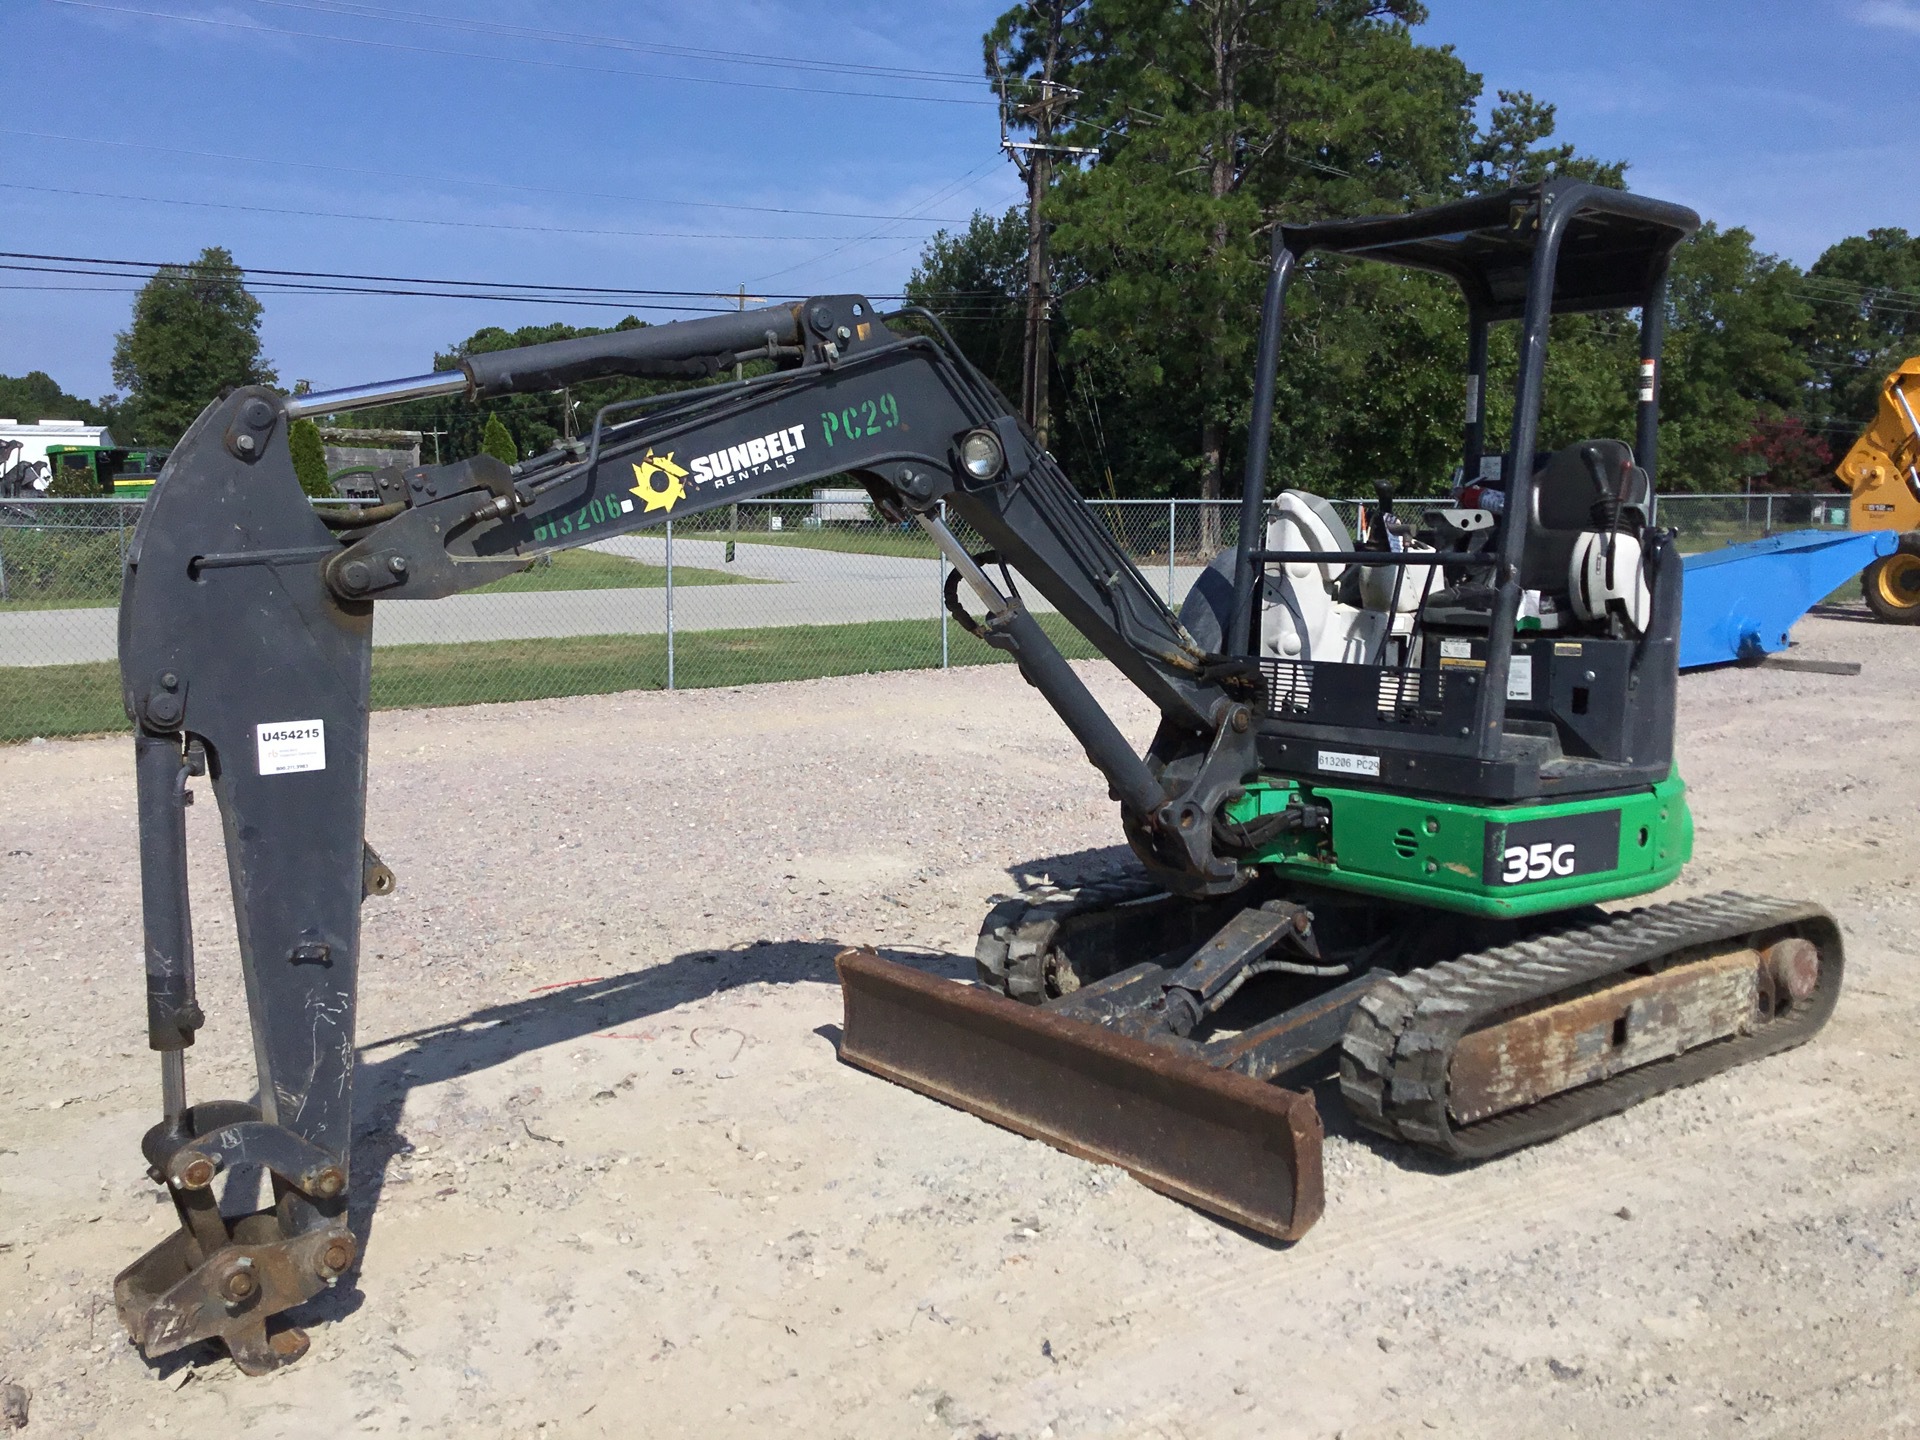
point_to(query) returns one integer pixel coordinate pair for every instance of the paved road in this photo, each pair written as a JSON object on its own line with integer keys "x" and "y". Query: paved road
{"x": 806, "y": 587}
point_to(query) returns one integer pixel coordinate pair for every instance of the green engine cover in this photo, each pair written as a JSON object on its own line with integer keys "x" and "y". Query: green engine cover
{"x": 1501, "y": 861}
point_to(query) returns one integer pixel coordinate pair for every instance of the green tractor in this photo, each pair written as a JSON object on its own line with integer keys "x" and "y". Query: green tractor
{"x": 86, "y": 472}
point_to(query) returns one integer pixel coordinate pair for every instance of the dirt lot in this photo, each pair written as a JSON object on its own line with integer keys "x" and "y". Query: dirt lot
{"x": 654, "y": 1204}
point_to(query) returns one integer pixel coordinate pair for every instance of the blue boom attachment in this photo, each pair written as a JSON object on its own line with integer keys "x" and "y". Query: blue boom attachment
{"x": 1741, "y": 602}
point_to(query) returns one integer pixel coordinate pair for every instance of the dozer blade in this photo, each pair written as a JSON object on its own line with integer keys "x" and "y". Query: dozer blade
{"x": 1237, "y": 1148}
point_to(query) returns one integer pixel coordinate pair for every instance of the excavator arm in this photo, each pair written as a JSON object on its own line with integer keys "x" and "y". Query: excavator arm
{"x": 246, "y": 629}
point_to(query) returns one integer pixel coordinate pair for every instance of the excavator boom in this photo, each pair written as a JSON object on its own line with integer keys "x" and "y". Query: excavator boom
{"x": 246, "y": 624}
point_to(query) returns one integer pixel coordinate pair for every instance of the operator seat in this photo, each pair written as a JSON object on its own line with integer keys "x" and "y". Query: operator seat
{"x": 1573, "y": 493}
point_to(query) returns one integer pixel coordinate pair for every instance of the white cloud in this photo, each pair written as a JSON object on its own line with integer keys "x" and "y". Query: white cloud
{"x": 1891, "y": 14}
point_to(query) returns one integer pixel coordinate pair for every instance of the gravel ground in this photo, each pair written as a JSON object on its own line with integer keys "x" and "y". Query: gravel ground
{"x": 653, "y": 1203}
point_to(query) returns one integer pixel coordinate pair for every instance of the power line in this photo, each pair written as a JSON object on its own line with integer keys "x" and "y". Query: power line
{"x": 647, "y": 75}
{"x": 410, "y": 220}
{"x": 298, "y": 288}
{"x": 281, "y": 162}
{"x": 472, "y": 289}
{"x": 349, "y": 275}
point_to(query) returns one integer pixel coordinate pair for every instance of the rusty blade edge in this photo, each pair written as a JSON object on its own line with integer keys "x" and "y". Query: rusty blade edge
{"x": 1282, "y": 1126}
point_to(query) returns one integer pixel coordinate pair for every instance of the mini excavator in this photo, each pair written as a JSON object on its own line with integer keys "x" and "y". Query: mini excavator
{"x": 1394, "y": 778}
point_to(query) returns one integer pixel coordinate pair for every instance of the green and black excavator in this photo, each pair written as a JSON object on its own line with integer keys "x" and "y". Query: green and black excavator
{"x": 1394, "y": 779}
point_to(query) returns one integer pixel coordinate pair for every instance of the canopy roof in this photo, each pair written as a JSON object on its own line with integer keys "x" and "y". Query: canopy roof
{"x": 1614, "y": 247}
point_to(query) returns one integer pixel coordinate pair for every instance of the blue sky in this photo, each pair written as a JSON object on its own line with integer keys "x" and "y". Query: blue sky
{"x": 584, "y": 143}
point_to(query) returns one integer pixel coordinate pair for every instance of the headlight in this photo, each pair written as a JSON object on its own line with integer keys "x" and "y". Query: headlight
{"x": 980, "y": 452}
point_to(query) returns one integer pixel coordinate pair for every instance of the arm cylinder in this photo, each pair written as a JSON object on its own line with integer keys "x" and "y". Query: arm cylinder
{"x": 681, "y": 349}
{"x": 381, "y": 392}
{"x": 676, "y": 351}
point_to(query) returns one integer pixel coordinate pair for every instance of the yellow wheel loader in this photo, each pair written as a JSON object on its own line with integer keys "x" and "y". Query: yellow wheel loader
{"x": 1883, "y": 472}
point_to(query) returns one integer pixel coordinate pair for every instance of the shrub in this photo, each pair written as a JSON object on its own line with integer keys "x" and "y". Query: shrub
{"x": 309, "y": 458}
{"x": 498, "y": 442}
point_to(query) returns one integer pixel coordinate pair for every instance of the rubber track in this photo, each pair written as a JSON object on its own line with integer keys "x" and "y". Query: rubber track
{"x": 1399, "y": 1045}
{"x": 1011, "y": 952}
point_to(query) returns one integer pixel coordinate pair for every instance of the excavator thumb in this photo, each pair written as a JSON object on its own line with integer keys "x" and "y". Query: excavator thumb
{"x": 1174, "y": 1115}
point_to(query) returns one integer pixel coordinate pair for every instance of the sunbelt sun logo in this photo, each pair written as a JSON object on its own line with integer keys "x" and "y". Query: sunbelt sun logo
{"x": 773, "y": 451}
{"x": 656, "y": 480}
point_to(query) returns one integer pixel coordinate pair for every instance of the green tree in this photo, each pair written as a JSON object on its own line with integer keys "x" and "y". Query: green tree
{"x": 35, "y": 396}
{"x": 1864, "y": 297}
{"x": 1510, "y": 153}
{"x": 975, "y": 281}
{"x": 309, "y": 457}
{"x": 195, "y": 335}
{"x": 1213, "y": 119}
{"x": 498, "y": 442}
{"x": 1731, "y": 361}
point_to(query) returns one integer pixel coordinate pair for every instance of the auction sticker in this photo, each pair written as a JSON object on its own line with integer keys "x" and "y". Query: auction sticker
{"x": 289, "y": 746}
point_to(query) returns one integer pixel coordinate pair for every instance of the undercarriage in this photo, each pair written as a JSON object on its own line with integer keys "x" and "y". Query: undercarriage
{"x": 1100, "y": 1009}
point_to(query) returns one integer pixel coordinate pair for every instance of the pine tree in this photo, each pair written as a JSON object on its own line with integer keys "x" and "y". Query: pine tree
{"x": 309, "y": 458}
{"x": 497, "y": 441}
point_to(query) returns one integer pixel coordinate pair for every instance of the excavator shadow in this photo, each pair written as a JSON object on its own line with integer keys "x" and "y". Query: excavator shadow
{"x": 392, "y": 1067}
{"x": 1076, "y": 867}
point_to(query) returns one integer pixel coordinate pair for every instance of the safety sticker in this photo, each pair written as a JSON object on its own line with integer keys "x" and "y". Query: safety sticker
{"x": 1341, "y": 762}
{"x": 1520, "y": 678}
{"x": 288, "y": 747}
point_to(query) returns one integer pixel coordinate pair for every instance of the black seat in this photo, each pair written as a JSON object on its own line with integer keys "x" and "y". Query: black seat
{"x": 1579, "y": 488}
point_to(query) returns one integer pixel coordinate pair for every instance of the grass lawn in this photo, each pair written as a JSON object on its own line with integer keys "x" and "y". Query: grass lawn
{"x": 85, "y": 699}
{"x": 593, "y": 570}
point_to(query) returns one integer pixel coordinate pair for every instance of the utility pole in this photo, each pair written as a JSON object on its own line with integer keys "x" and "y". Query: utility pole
{"x": 739, "y": 370}
{"x": 1034, "y": 160}
{"x": 739, "y": 374}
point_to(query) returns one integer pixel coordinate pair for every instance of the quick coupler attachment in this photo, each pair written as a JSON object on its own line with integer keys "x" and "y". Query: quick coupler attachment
{"x": 1206, "y": 1134}
{"x": 222, "y": 1279}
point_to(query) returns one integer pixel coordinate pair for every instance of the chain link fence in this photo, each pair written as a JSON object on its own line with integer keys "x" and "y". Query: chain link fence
{"x": 765, "y": 590}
